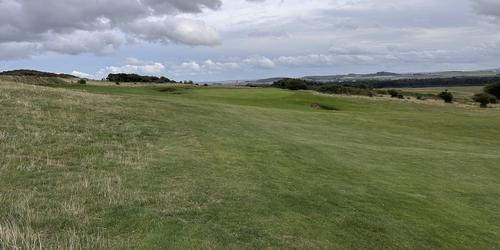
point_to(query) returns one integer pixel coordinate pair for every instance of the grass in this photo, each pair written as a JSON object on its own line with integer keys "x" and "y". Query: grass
{"x": 461, "y": 94}
{"x": 116, "y": 167}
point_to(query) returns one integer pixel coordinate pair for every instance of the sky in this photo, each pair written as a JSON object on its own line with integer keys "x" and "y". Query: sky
{"x": 212, "y": 40}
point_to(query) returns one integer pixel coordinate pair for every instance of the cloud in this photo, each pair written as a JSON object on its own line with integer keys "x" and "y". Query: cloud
{"x": 76, "y": 26}
{"x": 206, "y": 67}
{"x": 271, "y": 33}
{"x": 133, "y": 66}
{"x": 18, "y": 50}
{"x": 487, "y": 7}
{"x": 220, "y": 66}
{"x": 82, "y": 41}
{"x": 234, "y": 39}
{"x": 187, "y": 68}
{"x": 81, "y": 74}
{"x": 177, "y": 30}
{"x": 260, "y": 62}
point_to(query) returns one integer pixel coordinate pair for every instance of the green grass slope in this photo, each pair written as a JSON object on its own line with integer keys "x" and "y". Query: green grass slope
{"x": 219, "y": 168}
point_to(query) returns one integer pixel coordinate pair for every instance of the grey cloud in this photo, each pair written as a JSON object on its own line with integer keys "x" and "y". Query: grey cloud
{"x": 18, "y": 50}
{"x": 178, "y": 30}
{"x": 98, "y": 42}
{"x": 487, "y": 7}
{"x": 65, "y": 26}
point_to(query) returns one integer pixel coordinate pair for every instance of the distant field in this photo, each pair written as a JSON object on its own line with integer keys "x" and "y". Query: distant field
{"x": 106, "y": 167}
{"x": 461, "y": 93}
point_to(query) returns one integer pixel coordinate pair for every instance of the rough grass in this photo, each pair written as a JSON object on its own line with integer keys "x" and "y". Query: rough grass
{"x": 107, "y": 167}
{"x": 462, "y": 94}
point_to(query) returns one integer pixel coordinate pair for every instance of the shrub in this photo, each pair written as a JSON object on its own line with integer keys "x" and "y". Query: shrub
{"x": 493, "y": 89}
{"x": 394, "y": 93}
{"x": 446, "y": 96}
{"x": 345, "y": 90}
{"x": 291, "y": 84}
{"x": 121, "y": 77}
{"x": 484, "y": 99}
{"x": 401, "y": 96}
{"x": 82, "y": 81}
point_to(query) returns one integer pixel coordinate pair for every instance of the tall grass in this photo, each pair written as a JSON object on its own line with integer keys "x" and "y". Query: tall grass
{"x": 101, "y": 167}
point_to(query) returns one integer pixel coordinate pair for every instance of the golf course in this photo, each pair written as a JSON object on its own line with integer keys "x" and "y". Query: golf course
{"x": 177, "y": 167}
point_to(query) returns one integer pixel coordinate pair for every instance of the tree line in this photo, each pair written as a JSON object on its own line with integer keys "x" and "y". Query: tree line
{"x": 122, "y": 77}
{"x": 490, "y": 94}
{"x": 398, "y": 83}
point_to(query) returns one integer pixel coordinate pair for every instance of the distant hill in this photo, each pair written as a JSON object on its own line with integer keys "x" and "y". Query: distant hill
{"x": 387, "y": 76}
{"x": 29, "y": 72}
{"x": 402, "y": 76}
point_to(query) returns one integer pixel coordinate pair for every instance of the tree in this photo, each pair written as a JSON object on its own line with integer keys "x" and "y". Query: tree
{"x": 493, "y": 89}
{"x": 484, "y": 99}
{"x": 291, "y": 84}
{"x": 394, "y": 93}
{"x": 121, "y": 77}
{"x": 446, "y": 96}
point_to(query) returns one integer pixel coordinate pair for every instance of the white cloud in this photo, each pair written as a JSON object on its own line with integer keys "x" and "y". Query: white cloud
{"x": 220, "y": 66}
{"x": 134, "y": 66}
{"x": 177, "y": 30}
{"x": 260, "y": 62}
{"x": 205, "y": 67}
{"x": 187, "y": 68}
{"x": 81, "y": 74}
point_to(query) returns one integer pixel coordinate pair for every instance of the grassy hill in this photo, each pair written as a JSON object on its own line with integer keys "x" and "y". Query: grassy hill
{"x": 35, "y": 73}
{"x": 178, "y": 168}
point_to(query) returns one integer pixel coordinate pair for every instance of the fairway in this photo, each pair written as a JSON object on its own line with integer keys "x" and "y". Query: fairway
{"x": 117, "y": 167}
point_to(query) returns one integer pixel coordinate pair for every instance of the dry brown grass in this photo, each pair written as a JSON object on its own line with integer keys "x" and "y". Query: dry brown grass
{"x": 492, "y": 108}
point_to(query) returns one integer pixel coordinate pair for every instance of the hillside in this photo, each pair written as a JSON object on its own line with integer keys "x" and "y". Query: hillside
{"x": 389, "y": 76}
{"x": 146, "y": 168}
{"x": 28, "y": 72}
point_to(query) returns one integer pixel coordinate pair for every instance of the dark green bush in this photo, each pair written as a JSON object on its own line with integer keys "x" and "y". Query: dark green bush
{"x": 393, "y": 93}
{"x": 291, "y": 84}
{"x": 324, "y": 87}
{"x": 121, "y": 77}
{"x": 446, "y": 96}
{"x": 484, "y": 99}
{"x": 345, "y": 90}
{"x": 493, "y": 89}
{"x": 82, "y": 81}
